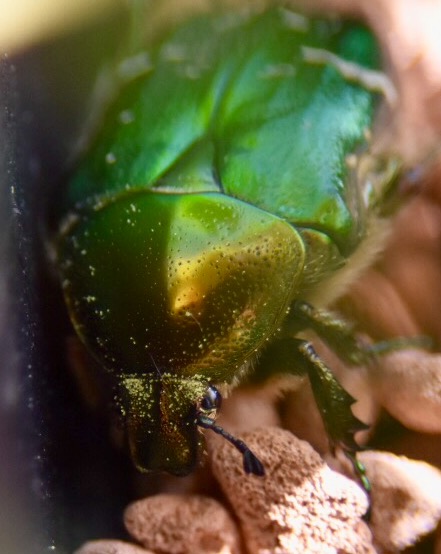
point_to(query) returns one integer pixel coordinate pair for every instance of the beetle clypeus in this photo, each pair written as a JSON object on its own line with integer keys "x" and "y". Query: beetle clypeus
{"x": 215, "y": 201}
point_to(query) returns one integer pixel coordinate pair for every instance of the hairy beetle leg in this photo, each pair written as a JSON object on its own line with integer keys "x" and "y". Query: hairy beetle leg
{"x": 333, "y": 401}
{"x": 337, "y": 333}
{"x": 340, "y": 337}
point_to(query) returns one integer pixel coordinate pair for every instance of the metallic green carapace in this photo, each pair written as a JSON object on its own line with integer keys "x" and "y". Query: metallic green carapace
{"x": 216, "y": 193}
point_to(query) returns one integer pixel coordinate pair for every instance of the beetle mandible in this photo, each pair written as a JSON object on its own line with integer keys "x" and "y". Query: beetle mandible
{"x": 215, "y": 201}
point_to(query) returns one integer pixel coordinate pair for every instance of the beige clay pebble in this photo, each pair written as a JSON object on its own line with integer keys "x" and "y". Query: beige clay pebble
{"x": 182, "y": 524}
{"x": 406, "y": 499}
{"x": 410, "y": 378}
{"x": 111, "y": 547}
{"x": 301, "y": 505}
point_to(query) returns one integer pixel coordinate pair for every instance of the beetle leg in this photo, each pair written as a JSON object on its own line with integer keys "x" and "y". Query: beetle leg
{"x": 337, "y": 333}
{"x": 298, "y": 357}
{"x": 333, "y": 401}
{"x": 341, "y": 338}
{"x": 399, "y": 343}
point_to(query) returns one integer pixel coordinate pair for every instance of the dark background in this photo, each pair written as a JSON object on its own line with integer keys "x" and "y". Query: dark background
{"x": 59, "y": 481}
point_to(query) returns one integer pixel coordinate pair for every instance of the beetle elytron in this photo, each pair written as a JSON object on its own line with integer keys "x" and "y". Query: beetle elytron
{"x": 217, "y": 198}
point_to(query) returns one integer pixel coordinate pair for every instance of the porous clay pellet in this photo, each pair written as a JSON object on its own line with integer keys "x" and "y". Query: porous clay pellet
{"x": 111, "y": 547}
{"x": 182, "y": 524}
{"x": 406, "y": 499}
{"x": 301, "y": 505}
{"x": 410, "y": 378}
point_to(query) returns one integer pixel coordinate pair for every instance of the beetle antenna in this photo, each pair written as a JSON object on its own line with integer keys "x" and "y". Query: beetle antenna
{"x": 251, "y": 463}
{"x": 158, "y": 371}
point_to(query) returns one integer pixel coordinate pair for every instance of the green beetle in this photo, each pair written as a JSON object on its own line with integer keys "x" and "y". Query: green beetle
{"x": 223, "y": 190}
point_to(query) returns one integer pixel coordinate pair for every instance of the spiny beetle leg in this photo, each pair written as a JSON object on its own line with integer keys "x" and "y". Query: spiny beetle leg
{"x": 334, "y": 403}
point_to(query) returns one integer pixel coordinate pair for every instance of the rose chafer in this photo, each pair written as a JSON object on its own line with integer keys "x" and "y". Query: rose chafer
{"x": 225, "y": 189}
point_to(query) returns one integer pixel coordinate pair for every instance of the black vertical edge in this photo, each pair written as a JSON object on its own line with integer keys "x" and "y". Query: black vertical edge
{"x": 24, "y": 495}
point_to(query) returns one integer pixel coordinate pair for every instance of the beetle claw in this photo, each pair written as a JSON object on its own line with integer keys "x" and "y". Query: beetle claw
{"x": 360, "y": 471}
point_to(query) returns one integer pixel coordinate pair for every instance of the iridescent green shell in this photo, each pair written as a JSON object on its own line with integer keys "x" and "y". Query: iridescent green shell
{"x": 216, "y": 191}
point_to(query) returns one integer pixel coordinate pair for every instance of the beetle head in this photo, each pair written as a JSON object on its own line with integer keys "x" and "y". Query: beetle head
{"x": 162, "y": 415}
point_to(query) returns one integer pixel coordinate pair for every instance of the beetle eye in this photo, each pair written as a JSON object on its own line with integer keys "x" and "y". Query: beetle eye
{"x": 212, "y": 399}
